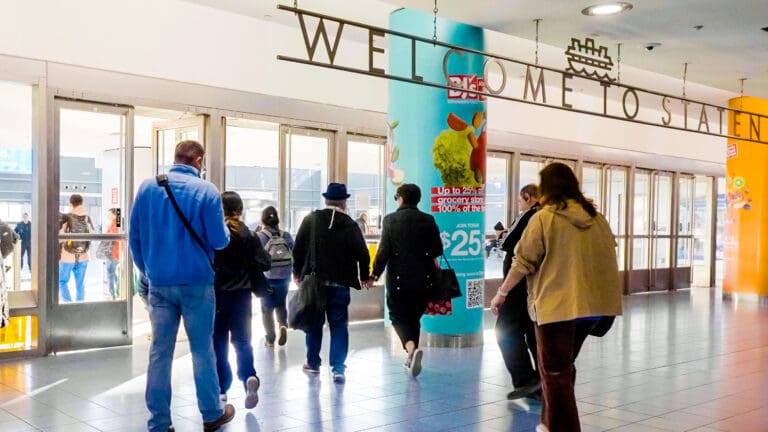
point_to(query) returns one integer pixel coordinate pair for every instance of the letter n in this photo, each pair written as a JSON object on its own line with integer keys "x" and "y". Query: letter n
{"x": 321, "y": 30}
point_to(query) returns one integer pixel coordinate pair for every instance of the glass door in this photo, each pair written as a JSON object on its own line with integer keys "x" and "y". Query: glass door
{"x": 615, "y": 202}
{"x": 169, "y": 133}
{"x": 639, "y": 275}
{"x": 497, "y": 210}
{"x": 307, "y": 167}
{"x": 703, "y": 232}
{"x": 89, "y": 307}
{"x": 684, "y": 234}
{"x": 661, "y": 231}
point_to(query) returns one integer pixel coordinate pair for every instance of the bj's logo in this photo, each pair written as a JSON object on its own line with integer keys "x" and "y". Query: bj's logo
{"x": 466, "y": 82}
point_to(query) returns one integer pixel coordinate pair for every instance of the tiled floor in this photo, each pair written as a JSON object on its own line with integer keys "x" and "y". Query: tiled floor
{"x": 675, "y": 362}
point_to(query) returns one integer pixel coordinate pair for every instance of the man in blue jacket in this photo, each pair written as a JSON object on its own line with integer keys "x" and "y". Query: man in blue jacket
{"x": 180, "y": 277}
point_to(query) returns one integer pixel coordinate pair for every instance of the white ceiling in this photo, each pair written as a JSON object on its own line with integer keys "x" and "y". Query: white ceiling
{"x": 730, "y": 46}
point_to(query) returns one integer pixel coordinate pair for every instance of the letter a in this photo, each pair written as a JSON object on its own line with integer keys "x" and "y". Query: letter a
{"x": 320, "y": 31}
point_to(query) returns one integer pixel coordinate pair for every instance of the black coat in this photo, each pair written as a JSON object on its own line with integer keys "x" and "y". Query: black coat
{"x": 243, "y": 259}
{"x": 509, "y": 242}
{"x": 342, "y": 255}
{"x": 410, "y": 241}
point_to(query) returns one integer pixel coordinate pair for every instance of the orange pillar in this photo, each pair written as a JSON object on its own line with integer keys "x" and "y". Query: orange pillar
{"x": 746, "y": 222}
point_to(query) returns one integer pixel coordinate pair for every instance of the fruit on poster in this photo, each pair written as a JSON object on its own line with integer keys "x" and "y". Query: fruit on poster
{"x": 459, "y": 154}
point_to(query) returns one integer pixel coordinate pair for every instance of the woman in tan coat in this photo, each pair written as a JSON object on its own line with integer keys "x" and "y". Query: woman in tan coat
{"x": 567, "y": 253}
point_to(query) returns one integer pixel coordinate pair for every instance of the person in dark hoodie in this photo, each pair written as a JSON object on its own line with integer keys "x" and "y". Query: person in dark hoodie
{"x": 233, "y": 301}
{"x": 409, "y": 248}
{"x": 342, "y": 261}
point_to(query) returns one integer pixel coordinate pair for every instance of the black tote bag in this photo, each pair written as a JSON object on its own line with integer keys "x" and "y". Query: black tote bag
{"x": 309, "y": 300}
{"x": 446, "y": 284}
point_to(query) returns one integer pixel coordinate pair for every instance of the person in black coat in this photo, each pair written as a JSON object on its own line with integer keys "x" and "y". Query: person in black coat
{"x": 232, "y": 284}
{"x": 342, "y": 262}
{"x": 514, "y": 328}
{"x": 409, "y": 248}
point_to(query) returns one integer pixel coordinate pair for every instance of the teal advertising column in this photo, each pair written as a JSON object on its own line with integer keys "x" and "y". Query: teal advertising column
{"x": 437, "y": 140}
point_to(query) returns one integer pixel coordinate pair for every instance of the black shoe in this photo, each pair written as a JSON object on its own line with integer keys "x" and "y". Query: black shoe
{"x": 525, "y": 391}
{"x": 171, "y": 429}
{"x": 229, "y": 414}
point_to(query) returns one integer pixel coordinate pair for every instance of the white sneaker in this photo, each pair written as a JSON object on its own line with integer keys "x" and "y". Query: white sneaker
{"x": 252, "y": 385}
{"x": 542, "y": 428}
{"x": 223, "y": 397}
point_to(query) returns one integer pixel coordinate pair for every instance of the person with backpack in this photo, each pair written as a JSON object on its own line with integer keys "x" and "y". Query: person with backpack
{"x": 74, "y": 253}
{"x": 233, "y": 285}
{"x": 279, "y": 246}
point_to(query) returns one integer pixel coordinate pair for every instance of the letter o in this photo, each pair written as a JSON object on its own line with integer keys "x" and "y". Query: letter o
{"x": 503, "y": 76}
{"x": 624, "y": 103}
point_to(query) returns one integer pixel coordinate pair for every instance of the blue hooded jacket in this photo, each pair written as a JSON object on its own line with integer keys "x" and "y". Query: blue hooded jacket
{"x": 162, "y": 247}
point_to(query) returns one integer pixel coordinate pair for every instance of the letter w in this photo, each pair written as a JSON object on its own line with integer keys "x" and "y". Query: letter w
{"x": 320, "y": 31}
{"x": 539, "y": 85}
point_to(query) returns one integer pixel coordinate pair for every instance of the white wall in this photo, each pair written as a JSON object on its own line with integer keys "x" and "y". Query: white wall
{"x": 189, "y": 43}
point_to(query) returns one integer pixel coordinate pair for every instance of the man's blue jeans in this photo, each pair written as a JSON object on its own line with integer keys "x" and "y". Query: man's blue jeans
{"x": 196, "y": 304}
{"x": 337, "y": 312}
{"x": 233, "y": 322}
{"x": 66, "y": 269}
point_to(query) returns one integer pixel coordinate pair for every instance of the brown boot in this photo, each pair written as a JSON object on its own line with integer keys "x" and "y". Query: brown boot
{"x": 229, "y": 414}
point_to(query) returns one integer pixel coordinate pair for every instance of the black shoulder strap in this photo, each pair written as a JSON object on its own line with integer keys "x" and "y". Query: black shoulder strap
{"x": 162, "y": 180}
{"x": 313, "y": 243}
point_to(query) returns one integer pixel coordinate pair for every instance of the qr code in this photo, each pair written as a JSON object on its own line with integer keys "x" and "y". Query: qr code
{"x": 475, "y": 293}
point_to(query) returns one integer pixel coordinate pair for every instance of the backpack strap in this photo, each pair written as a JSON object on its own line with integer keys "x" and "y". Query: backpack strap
{"x": 162, "y": 180}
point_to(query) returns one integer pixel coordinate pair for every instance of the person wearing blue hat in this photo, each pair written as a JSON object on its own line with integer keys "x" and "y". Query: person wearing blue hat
{"x": 341, "y": 259}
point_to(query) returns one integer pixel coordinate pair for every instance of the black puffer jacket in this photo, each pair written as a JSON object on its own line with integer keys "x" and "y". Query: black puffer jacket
{"x": 234, "y": 262}
{"x": 342, "y": 255}
{"x": 410, "y": 241}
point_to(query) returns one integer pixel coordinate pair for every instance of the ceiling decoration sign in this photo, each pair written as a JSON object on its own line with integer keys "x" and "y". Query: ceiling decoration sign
{"x": 585, "y": 86}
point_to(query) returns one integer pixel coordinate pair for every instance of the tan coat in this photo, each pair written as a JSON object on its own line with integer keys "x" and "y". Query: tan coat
{"x": 569, "y": 259}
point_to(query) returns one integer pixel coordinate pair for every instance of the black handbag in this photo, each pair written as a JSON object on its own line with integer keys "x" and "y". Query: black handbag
{"x": 309, "y": 300}
{"x": 446, "y": 284}
{"x": 601, "y": 326}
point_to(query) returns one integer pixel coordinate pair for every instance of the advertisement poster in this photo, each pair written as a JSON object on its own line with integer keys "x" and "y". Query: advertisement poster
{"x": 437, "y": 140}
{"x": 746, "y": 227}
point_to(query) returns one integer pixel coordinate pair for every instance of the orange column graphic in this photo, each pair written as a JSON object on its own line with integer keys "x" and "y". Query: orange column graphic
{"x": 746, "y": 223}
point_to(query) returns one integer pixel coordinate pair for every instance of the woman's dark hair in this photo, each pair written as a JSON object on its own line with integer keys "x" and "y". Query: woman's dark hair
{"x": 233, "y": 208}
{"x": 559, "y": 184}
{"x": 410, "y": 193}
{"x": 269, "y": 217}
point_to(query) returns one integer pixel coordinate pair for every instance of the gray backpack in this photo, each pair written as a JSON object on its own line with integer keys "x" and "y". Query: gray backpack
{"x": 281, "y": 258}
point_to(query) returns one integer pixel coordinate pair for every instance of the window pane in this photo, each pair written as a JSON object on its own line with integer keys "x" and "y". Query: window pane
{"x": 91, "y": 165}
{"x": 663, "y": 205}
{"x": 365, "y": 177}
{"x": 684, "y": 252}
{"x": 307, "y": 174}
{"x": 685, "y": 206}
{"x": 16, "y": 174}
{"x": 616, "y": 204}
{"x": 640, "y": 254}
{"x": 496, "y": 210}
{"x": 591, "y": 184}
{"x": 252, "y": 166}
{"x": 661, "y": 253}
{"x": 529, "y": 172}
{"x": 496, "y": 188}
{"x": 641, "y": 203}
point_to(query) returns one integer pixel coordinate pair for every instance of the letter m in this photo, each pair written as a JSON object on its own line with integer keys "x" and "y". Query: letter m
{"x": 321, "y": 30}
{"x": 539, "y": 85}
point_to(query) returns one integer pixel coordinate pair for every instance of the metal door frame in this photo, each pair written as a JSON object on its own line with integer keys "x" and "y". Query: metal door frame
{"x": 64, "y": 333}
{"x": 197, "y": 121}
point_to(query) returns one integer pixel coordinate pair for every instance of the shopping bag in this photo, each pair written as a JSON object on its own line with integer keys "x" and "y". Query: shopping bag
{"x": 446, "y": 285}
{"x": 308, "y": 302}
{"x": 601, "y": 326}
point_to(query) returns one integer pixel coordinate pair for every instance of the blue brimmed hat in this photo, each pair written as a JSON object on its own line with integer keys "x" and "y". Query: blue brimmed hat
{"x": 336, "y": 191}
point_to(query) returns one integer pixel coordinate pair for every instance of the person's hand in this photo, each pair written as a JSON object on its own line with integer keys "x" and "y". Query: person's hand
{"x": 368, "y": 283}
{"x": 496, "y": 303}
{"x": 297, "y": 281}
